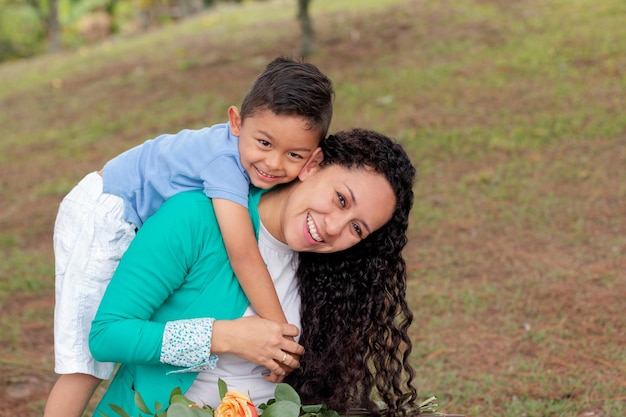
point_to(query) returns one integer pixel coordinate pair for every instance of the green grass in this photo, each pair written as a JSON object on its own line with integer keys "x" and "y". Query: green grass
{"x": 514, "y": 112}
{"x": 24, "y": 273}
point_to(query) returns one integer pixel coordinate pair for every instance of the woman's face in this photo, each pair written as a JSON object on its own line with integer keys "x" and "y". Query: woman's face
{"x": 333, "y": 208}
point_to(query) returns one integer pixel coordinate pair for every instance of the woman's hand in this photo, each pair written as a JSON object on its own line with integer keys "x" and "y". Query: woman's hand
{"x": 261, "y": 341}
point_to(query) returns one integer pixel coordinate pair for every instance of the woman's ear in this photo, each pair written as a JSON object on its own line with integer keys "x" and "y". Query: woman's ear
{"x": 234, "y": 119}
{"x": 312, "y": 164}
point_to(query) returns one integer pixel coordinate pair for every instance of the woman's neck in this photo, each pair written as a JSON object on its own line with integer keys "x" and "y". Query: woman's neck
{"x": 271, "y": 211}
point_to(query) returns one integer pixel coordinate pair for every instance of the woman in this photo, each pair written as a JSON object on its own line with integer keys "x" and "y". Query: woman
{"x": 365, "y": 285}
{"x": 354, "y": 202}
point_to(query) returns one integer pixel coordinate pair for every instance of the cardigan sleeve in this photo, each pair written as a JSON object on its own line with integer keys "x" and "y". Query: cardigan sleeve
{"x": 187, "y": 343}
{"x": 153, "y": 268}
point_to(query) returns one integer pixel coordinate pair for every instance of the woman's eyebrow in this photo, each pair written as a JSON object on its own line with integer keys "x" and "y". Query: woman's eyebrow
{"x": 354, "y": 202}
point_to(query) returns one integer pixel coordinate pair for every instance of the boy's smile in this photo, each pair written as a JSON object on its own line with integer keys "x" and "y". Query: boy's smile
{"x": 273, "y": 148}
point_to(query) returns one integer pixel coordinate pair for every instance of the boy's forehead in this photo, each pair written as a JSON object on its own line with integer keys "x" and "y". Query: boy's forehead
{"x": 288, "y": 127}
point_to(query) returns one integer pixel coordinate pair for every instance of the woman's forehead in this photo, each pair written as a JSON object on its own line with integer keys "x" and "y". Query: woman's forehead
{"x": 369, "y": 190}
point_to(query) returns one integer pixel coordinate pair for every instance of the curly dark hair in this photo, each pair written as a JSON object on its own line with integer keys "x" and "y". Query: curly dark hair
{"x": 355, "y": 317}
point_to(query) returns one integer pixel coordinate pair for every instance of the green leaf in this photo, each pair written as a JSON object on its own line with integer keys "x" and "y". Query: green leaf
{"x": 119, "y": 410}
{"x": 179, "y": 398}
{"x": 141, "y": 404}
{"x": 282, "y": 409}
{"x": 284, "y": 392}
{"x": 315, "y": 408}
{"x": 175, "y": 391}
{"x": 428, "y": 405}
{"x": 221, "y": 385}
{"x": 182, "y": 410}
{"x": 331, "y": 413}
{"x": 263, "y": 406}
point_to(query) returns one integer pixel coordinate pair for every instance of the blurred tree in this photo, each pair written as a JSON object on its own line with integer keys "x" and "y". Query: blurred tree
{"x": 47, "y": 12}
{"x": 53, "y": 28}
{"x": 21, "y": 31}
{"x": 306, "y": 26}
{"x": 30, "y": 27}
{"x": 154, "y": 12}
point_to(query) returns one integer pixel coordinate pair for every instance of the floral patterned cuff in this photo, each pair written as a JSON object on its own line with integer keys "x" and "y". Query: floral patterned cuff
{"x": 187, "y": 343}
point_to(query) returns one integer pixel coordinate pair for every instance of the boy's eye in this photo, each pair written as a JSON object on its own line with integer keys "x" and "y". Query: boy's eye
{"x": 264, "y": 143}
{"x": 295, "y": 155}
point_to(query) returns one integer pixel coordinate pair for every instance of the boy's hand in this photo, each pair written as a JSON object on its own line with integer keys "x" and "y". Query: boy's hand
{"x": 287, "y": 358}
{"x": 260, "y": 341}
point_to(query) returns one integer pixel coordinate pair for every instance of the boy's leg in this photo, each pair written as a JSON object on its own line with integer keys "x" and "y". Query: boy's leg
{"x": 70, "y": 395}
{"x": 90, "y": 236}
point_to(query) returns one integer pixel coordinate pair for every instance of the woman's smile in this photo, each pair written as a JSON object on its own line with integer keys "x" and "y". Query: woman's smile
{"x": 333, "y": 208}
{"x": 311, "y": 231}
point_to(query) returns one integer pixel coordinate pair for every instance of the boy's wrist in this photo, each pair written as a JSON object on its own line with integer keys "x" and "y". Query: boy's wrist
{"x": 222, "y": 337}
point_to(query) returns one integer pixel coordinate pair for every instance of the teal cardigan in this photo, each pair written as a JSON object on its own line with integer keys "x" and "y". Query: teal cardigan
{"x": 175, "y": 268}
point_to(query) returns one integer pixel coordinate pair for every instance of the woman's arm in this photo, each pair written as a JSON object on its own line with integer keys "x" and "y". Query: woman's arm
{"x": 155, "y": 280}
{"x": 151, "y": 270}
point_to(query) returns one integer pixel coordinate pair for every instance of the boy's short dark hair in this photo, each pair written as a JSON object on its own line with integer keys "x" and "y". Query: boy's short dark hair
{"x": 292, "y": 88}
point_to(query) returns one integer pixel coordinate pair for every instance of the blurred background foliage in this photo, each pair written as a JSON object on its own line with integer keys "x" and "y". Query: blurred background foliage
{"x": 32, "y": 27}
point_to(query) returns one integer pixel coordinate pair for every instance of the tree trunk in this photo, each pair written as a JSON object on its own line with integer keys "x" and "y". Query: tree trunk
{"x": 308, "y": 36}
{"x": 53, "y": 28}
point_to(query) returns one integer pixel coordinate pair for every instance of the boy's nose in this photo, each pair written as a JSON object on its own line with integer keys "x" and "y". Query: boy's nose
{"x": 273, "y": 161}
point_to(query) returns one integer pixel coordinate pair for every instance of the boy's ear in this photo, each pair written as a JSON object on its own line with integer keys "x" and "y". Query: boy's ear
{"x": 312, "y": 164}
{"x": 234, "y": 119}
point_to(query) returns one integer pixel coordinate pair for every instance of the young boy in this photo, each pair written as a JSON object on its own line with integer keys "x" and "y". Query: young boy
{"x": 283, "y": 118}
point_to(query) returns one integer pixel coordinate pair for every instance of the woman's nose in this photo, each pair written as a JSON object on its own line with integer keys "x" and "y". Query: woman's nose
{"x": 335, "y": 224}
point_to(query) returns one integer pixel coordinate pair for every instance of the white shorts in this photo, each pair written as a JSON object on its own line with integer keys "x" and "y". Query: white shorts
{"x": 90, "y": 237}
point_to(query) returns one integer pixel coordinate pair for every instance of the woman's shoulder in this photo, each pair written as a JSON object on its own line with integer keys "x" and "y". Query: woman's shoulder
{"x": 189, "y": 206}
{"x": 188, "y": 197}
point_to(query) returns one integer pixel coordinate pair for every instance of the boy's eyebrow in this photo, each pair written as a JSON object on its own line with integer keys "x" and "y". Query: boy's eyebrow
{"x": 354, "y": 202}
{"x": 263, "y": 132}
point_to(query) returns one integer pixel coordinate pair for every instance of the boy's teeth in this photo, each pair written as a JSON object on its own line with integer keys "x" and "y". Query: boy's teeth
{"x": 265, "y": 174}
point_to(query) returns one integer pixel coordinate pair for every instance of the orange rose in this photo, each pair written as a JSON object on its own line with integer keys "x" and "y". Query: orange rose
{"x": 236, "y": 404}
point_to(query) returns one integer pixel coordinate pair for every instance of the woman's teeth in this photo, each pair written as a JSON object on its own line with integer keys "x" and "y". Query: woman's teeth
{"x": 312, "y": 230}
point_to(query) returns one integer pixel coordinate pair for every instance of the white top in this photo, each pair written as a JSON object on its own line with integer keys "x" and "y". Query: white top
{"x": 238, "y": 373}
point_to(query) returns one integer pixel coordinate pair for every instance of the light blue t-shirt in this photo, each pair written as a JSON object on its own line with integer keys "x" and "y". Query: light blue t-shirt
{"x": 148, "y": 174}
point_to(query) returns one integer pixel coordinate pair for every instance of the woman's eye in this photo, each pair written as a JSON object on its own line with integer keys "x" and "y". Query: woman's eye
{"x": 342, "y": 199}
{"x": 357, "y": 229}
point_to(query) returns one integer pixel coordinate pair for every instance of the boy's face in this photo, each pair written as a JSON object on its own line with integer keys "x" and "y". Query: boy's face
{"x": 273, "y": 149}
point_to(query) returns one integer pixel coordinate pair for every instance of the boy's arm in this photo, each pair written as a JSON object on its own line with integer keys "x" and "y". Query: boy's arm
{"x": 245, "y": 258}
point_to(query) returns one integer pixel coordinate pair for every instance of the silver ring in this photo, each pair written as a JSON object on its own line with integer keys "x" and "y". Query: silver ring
{"x": 284, "y": 358}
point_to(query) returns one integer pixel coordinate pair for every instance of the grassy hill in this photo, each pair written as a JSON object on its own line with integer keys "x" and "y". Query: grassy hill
{"x": 514, "y": 112}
